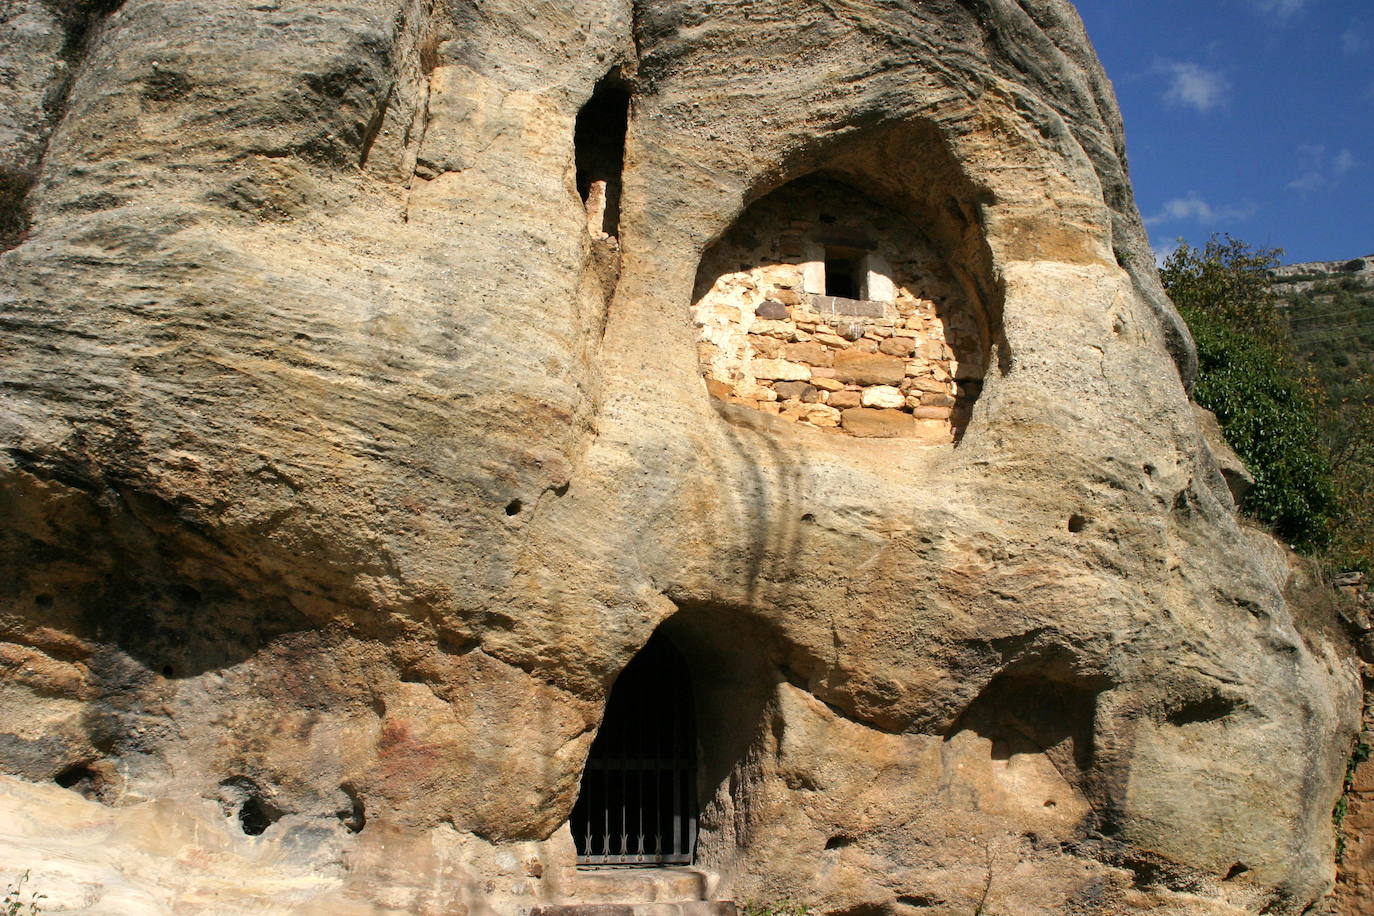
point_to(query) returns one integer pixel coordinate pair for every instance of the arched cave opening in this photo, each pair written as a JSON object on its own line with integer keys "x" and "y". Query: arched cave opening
{"x": 638, "y": 801}
{"x": 688, "y": 715}
{"x": 599, "y": 152}
{"x": 844, "y": 312}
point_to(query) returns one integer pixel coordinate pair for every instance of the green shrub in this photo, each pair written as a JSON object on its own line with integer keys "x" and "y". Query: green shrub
{"x": 1250, "y": 376}
{"x": 13, "y": 903}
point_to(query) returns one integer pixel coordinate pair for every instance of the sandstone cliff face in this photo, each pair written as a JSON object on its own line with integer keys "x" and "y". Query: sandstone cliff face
{"x": 344, "y": 468}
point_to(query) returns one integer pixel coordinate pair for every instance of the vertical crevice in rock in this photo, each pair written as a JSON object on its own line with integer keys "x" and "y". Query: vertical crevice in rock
{"x": 392, "y": 135}
{"x": 353, "y": 815}
{"x": 54, "y": 36}
{"x": 1352, "y": 814}
{"x": 14, "y": 188}
{"x": 374, "y": 126}
{"x": 419, "y": 77}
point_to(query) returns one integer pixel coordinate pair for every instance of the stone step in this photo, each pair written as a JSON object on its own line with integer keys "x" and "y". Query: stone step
{"x": 689, "y": 908}
{"x": 642, "y": 885}
{"x": 670, "y": 891}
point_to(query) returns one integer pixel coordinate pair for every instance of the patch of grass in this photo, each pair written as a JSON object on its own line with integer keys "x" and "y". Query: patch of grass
{"x": 779, "y": 908}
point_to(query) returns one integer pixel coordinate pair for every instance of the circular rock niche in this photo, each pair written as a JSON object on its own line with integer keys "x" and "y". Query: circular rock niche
{"x": 830, "y": 310}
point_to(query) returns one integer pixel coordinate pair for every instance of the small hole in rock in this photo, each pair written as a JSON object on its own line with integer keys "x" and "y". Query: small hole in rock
{"x": 168, "y": 671}
{"x": 1077, "y": 523}
{"x": 514, "y": 506}
{"x": 1202, "y": 711}
{"x": 808, "y": 518}
{"x": 43, "y": 600}
{"x": 1236, "y": 871}
{"x": 839, "y": 841}
{"x": 1051, "y": 803}
{"x": 255, "y": 817}
{"x": 74, "y": 775}
{"x": 355, "y": 816}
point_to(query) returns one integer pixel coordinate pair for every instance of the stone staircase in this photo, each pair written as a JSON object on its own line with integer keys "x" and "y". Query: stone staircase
{"x": 640, "y": 892}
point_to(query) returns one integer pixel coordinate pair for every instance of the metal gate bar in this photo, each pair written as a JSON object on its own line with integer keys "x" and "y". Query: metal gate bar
{"x": 637, "y": 805}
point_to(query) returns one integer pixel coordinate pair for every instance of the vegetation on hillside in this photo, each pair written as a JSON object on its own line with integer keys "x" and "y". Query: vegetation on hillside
{"x": 1292, "y": 383}
{"x": 1333, "y": 329}
{"x": 1252, "y": 378}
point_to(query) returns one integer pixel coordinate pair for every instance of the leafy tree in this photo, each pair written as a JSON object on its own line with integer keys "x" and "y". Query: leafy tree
{"x": 1262, "y": 392}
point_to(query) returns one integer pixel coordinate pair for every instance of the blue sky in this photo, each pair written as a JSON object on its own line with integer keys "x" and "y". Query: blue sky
{"x": 1253, "y": 117}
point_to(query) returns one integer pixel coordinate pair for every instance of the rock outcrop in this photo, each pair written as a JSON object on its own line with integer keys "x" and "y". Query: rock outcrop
{"x": 348, "y": 458}
{"x": 1297, "y": 278}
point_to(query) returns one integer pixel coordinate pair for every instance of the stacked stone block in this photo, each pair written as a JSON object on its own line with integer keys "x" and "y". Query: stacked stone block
{"x": 911, "y": 367}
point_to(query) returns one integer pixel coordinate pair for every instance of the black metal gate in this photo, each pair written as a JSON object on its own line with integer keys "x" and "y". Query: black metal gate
{"x": 637, "y": 805}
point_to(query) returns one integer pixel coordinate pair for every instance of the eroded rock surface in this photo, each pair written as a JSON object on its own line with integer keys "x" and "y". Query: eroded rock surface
{"x": 347, "y": 461}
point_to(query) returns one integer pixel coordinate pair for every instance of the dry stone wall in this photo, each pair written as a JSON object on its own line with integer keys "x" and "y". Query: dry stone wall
{"x": 908, "y": 365}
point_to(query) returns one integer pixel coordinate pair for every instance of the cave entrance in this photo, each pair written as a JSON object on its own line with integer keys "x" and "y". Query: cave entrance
{"x": 637, "y": 804}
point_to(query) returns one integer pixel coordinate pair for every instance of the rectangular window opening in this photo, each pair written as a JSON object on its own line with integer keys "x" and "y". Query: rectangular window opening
{"x": 842, "y": 273}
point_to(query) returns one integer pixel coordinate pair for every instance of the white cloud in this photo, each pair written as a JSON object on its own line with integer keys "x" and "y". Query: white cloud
{"x": 1164, "y": 248}
{"x": 1280, "y": 9}
{"x": 1193, "y": 85}
{"x": 1193, "y": 208}
{"x": 1321, "y": 171}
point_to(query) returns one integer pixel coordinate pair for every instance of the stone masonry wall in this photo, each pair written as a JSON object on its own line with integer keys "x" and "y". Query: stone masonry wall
{"x": 771, "y": 340}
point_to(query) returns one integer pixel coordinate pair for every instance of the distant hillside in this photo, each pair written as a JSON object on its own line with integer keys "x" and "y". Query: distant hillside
{"x": 1312, "y": 272}
{"x": 1330, "y": 309}
{"x": 1330, "y": 306}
